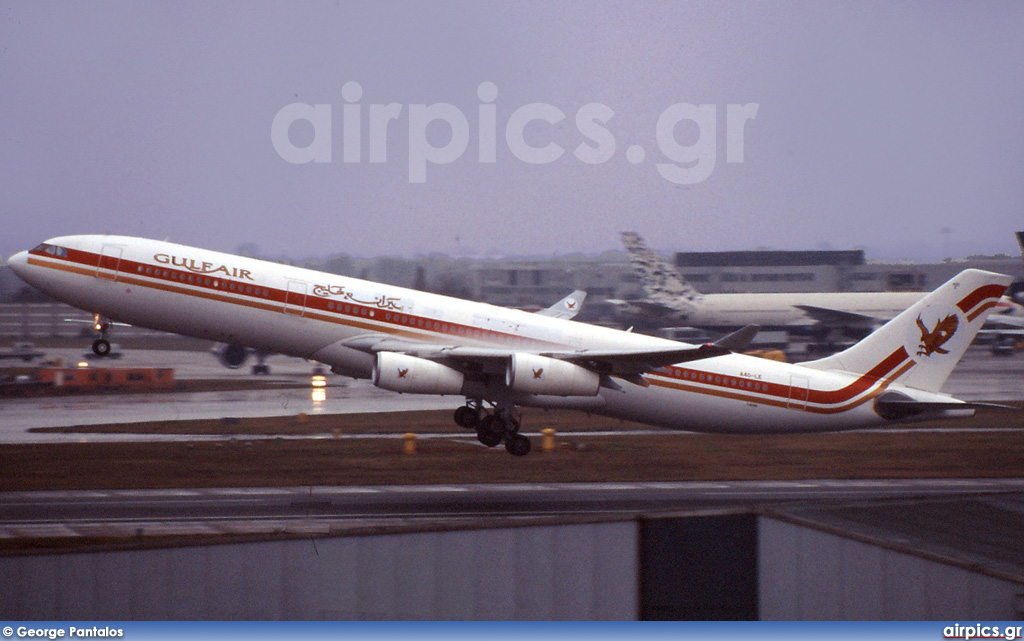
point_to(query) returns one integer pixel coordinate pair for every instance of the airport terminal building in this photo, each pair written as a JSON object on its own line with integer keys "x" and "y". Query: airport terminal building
{"x": 824, "y": 271}
{"x": 539, "y": 282}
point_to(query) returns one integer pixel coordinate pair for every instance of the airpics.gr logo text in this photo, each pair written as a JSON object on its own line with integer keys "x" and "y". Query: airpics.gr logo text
{"x": 686, "y": 164}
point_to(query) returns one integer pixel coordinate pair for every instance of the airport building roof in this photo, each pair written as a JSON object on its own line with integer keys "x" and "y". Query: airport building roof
{"x": 978, "y": 533}
{"x": 770, "y": 258}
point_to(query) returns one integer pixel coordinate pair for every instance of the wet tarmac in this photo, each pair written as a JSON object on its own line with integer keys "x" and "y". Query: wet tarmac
{"x": 980, "y": 376}
{"x": 297, "y": 395}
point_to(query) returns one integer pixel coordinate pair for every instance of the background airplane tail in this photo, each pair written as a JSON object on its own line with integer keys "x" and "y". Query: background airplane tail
{"x": 921, "y": 346}
{"x": 660, "y": 280}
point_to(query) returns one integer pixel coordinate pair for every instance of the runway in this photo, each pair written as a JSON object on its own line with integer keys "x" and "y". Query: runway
{"x": 979, "y": 376}
{"x": 305, "y": 510}
{"x": 140, "y": 515}
{"x": 294, "y": 395}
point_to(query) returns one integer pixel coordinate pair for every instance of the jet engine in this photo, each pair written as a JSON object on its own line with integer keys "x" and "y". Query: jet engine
{"x": 532, "y": 374}
{"x": 232, "y": 356}
{"x": 402, "y": 373}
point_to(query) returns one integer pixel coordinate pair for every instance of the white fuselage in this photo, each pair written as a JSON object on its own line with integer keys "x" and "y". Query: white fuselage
{"x": 310, "y": 314}
{"x": 781, "y": 309}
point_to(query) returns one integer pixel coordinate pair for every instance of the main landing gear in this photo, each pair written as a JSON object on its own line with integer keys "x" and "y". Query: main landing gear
{"x": 493, "y": 428}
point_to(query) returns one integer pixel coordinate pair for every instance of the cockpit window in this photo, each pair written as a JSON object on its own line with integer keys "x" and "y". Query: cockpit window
{"x": 52, "y": 250}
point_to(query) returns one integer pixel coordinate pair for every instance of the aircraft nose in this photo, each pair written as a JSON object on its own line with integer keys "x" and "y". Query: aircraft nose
{"x": 18, "y": 263}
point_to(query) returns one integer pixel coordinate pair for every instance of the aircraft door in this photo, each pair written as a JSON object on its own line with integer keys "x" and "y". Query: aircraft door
{"x": 295, "y": 298}
{"x": 798, "y": 392}
{"x": 110, "y": 262}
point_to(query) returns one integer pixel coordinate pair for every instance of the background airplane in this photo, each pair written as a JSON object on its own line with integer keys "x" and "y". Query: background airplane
{"x": 670, "y": 300}
{"x": 500, "y": 359}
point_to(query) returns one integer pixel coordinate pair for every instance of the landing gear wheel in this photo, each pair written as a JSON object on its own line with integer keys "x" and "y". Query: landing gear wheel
{"x": 261, "y": 369}
{"x": 517, "y": 445}
{"x": 467, "y": 417}
{"x": 491, "y": 431}
{"x": 101, "y": 347}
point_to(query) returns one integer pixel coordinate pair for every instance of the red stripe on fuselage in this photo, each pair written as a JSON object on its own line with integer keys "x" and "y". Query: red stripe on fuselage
{"x": 734, "y": 384}
{"x": 326, "y": 309}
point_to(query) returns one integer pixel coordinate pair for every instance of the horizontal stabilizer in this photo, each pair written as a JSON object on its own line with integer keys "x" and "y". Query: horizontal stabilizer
{"x": 895, "y": 406}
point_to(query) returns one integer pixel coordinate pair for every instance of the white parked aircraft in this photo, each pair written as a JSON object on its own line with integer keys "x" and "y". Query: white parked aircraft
{"x": 670, "y": 300}
{"x": 416, "y": 342}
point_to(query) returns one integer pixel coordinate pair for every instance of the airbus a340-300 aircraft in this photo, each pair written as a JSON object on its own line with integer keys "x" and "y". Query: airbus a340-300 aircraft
{"x": 670, "y": 299}
{"x": 499, "y": 359}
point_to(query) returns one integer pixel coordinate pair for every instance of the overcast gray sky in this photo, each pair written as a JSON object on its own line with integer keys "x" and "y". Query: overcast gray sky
{"x": 878, "y": 125}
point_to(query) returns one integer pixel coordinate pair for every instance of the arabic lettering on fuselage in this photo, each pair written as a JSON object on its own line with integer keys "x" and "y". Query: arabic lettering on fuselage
{"x": 383, "y": 302}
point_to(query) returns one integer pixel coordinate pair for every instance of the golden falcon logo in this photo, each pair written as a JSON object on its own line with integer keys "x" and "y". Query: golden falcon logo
{"x": 537, "y": 373}
{"x": 403, "y": 372}
{"x": 933, "y": 340}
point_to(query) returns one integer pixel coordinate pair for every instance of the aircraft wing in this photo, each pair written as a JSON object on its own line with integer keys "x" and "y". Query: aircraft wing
{"x": 566, "y": 308}
{"x": 1003, "y": 320}
{"x": 653, "y": 307}
{"x": 838, "y": 317}
{"x": 92, "y": 322}
{"x": 639, "y": 361}
{"x": 626, "y": 363}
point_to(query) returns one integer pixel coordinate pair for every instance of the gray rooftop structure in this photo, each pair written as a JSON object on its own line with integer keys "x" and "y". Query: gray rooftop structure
{"x": 759, "y": 258}
{"x": 978, "y": 533}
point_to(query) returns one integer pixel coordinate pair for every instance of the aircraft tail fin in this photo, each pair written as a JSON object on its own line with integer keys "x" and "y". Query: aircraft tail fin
{"x": 660, "y": 280}
{"x": 566, "y": 308}
{"x": 921, "y": 346}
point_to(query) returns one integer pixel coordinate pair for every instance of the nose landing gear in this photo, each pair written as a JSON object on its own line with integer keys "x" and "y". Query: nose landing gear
{"x": 101, "y": 346}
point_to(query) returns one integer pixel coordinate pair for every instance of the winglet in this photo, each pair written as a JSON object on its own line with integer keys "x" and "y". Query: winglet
{"x": 738, "y": 340}
{"x": 566, "y": 308}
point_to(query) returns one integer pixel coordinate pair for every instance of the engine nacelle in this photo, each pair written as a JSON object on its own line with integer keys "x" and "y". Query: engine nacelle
{"x": 532, "y": 374}
{"x": 232, "y": 356}
{"x": 402, "y": 373}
